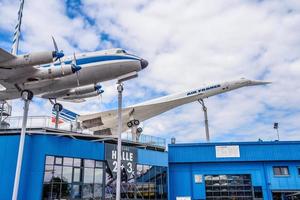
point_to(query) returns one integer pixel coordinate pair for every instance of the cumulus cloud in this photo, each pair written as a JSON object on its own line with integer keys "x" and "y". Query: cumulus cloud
{"x": 187, "y": 44}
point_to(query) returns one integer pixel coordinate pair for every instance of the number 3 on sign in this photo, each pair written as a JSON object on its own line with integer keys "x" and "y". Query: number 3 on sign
{"x": 129, "y": 169}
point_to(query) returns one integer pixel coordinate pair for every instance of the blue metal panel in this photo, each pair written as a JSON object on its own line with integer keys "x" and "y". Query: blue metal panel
{"x": 197, "y": 191}
{"x": 180, "y": 183}
{"x": 256, "y": 158}
{"x": 290, "y": 182}
{"x": 35, "y": 150}
{"x": 8, "y": 160}
{"x": 255, "y": 151}
{"x": 149, "y": 157}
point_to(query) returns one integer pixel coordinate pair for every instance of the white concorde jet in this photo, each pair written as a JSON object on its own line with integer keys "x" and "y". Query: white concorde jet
{"x": 106, "y": 122}
{"x": 50, "y": 75}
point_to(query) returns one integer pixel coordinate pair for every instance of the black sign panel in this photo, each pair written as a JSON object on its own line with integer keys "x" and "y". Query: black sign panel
{"x": 129, "y": 160}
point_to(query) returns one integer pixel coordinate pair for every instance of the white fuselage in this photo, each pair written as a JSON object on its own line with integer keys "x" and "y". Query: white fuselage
{"x": 163, "y": 104}
{"x": 95, "y": 67}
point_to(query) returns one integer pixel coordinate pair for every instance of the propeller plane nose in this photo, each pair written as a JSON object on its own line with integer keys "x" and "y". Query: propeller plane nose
{"x": 144, "y": 63}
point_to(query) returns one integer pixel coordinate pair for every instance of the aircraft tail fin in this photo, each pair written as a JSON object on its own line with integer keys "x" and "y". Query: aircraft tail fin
{"x": 17, "y": 33}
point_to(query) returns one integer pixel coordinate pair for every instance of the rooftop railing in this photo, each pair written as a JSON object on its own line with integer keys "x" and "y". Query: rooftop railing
{"x": 47, "y": 122}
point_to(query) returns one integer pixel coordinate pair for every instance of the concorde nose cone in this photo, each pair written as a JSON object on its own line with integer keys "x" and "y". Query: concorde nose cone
{"x": 256, "y": 82}
{"x": 144, "y": 63}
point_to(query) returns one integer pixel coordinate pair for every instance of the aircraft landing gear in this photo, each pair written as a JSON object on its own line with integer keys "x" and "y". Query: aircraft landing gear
{"x": 132, "y": 123}
{"x": 135, "y": 130}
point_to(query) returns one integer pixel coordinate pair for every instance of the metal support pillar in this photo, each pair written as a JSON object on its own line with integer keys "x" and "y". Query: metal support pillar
{"x": 119, "y": 148}
{"x": 134, "y": 133}
{"x": 1, "y": 114}
{"x": 58, "y": 108}
{"x": 205, "y": 119}
{"x": 27, "y": 97}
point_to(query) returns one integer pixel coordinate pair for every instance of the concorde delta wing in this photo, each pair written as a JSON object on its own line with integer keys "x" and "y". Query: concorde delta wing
{"x": 104, "y": 122}
{"x": 101, "y": 122}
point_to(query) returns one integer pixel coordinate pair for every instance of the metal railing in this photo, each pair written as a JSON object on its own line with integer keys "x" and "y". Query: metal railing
{"x": 41, "y": 122}
{"x": 146, "y": 139}
{"x": 35, "y": 122}
{"x": 6, "y": 109}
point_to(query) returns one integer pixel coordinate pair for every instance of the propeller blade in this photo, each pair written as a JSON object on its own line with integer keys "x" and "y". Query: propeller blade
{"x": 59, "y": 55}
{"x": 74, "y": 62}
{"x": 77, "y": 76}
{"x": 54, "y": 43}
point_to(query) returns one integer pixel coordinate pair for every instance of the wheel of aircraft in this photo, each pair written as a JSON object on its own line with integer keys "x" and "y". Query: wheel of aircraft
{"x": 129, "y": 124}
{"x": 58, "y": 107}
{"x": 139, "y": 130}
{"x": 136, "y": 122}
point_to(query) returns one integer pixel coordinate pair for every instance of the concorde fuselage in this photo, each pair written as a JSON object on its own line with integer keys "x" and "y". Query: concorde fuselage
{"x": 163, "y": 104}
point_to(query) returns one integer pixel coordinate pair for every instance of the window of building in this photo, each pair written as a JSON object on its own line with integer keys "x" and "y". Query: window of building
{"x": 281, "y": 171}
{"x": 72, "y": 178}
{"x": 258, "y": 192}
{"x": 228, "y": 187}
{"x": 149, "y": 182}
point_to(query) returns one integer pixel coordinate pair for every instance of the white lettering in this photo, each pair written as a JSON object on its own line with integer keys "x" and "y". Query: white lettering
{"x": 114, "y": 155}
{"x": 131, "y": 157}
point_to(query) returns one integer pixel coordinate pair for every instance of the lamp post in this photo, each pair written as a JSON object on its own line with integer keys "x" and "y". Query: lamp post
{"x": 120, "y": 88}
{"x": 27, "y": 97}
{"x": 276, "y": 128}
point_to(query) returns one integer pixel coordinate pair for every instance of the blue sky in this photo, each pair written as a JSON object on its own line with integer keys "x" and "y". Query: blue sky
{"x": 187, "y": 43}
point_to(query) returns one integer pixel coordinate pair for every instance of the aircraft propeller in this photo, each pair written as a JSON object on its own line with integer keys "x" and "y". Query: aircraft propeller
{"x": 58, "y": 54}
{"x": 75, "y": 68}
{"x": 100, "y": 91}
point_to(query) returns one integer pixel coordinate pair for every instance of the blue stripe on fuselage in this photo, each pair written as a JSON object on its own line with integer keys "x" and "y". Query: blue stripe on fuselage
{"x": 86, "y": 60}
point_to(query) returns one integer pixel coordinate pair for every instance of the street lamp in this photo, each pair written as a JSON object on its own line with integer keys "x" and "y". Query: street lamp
{"x": 120, "y": 88}
{"x": 27, "y": 97}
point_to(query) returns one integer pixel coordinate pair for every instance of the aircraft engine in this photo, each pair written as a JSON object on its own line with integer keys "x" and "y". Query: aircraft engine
{"x": 82, "y": 96}
{"x": 32, "y": 59}
{"x": 55, "y": 71}
{"x": 86, "y": 89}
{"x": 71, "y": 93}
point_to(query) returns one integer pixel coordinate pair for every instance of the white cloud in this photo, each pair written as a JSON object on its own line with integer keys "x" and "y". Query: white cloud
{"x": 187, "y": 44}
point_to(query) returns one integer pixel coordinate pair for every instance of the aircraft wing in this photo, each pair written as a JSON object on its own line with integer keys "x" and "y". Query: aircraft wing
{"x": 5, "y": 56}
{"x": 106, "y": 122}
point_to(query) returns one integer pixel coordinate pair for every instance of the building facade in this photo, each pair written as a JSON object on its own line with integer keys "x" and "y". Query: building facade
{"x": 249, "y": 170}
{"x": 74, "y": 166}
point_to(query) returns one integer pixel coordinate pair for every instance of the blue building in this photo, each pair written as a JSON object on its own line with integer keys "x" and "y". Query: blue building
{"x": 64, "y": 165}
{"x": 241, "y": 170}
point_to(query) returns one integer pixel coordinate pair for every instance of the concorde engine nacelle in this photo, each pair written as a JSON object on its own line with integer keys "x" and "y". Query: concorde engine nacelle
{"x": 32, "y": 59}
{"x": 56, "y": 71}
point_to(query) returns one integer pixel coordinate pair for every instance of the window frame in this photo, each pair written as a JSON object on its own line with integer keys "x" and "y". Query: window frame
{"x": 280, "y": 170}
{"x": 70, "y": 183}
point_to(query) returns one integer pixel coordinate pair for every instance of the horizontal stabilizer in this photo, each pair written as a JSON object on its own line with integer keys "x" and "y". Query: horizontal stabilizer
{"x": 5, "y": 56}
